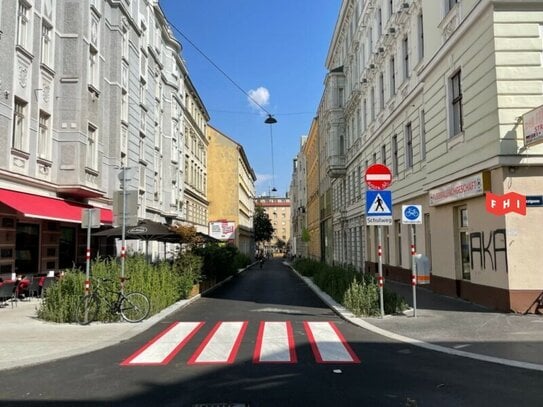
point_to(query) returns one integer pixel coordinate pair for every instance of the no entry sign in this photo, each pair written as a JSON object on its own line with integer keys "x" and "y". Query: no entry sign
{"x": 378, "y": 176}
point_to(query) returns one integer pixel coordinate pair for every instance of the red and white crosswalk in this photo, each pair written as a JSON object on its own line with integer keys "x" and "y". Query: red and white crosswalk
{"x": 274, "y": 344}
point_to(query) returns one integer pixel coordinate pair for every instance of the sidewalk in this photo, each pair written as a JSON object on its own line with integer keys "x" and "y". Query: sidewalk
{"x": 26, "y": 340}
{"x": 442, "y": 324}
{"x": 456, "y": 327}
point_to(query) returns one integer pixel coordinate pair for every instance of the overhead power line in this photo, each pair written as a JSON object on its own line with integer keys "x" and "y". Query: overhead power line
{"x": 218, "y": 68}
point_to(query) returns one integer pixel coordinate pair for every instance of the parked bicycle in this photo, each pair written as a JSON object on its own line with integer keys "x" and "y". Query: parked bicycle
{"x": 132, "y": 307}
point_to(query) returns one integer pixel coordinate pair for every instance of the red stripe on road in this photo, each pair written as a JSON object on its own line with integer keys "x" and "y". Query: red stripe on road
{"x": 162, "y": 348}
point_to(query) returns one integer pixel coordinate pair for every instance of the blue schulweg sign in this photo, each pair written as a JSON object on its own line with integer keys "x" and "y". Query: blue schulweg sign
{"x": 379, "y": 207}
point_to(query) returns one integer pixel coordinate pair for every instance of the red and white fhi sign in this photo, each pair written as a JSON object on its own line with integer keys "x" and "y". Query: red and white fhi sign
{"x": 378, "y": 176}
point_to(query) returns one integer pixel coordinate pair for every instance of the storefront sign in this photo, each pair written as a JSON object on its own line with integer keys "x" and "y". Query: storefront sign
{"x": 222, "y": 230}
{"x": 504, "y": 204}
{"x": 468, "y": 187}
{"x": 534, "y": 200}
{"x": 533, "y": 126}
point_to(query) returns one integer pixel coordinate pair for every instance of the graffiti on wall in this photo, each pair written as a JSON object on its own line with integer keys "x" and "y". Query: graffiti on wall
{"x": 489, "y": 248}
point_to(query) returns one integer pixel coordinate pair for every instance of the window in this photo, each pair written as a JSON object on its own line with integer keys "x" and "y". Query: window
{"x": 390, "y": 8}
{"x": 449, "y": 4}
{"x": 372, "y": 104}
{"x": 379, "y": 21}
{"x": 46, "y": 44}
{"x": 398, "y": 226}
{"x": 394, "y": 155}
{"x": 340, "y": 97}
{"x": 23, "y": 25}
{"x": 124, "y": 43}
{"x": 143, "y": 119}
{"x": 384, "y": 154}
{"x": 381, "y": 92}
{"x": 20, "y": 131}
{"x": 93, "y": 67}
{"x": 124, "y": 107}
{"x": 141, "y": 147}
{"x": 462, "y": 234}
{"x": 142, "y": 177}
{"x": 92, "y": 147}
{"x": 457, "y": 125}
{"x": 365, "y": 115}
{"x": 422, "y": 124}
{"x": 392, "y": 76}
{"x": 408, "y": 146}
{"x": 44, "y": 138}
{"x": 124, "y": 140}
{"x": 405, "y": 50}
{"x": 420, "y": 22}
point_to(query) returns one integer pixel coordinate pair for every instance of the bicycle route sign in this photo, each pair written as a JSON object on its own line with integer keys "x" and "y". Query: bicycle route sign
{"x": 411, "y": 214}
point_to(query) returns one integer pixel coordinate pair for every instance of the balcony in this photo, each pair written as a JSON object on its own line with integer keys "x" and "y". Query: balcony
{"x": 335, "y": 166}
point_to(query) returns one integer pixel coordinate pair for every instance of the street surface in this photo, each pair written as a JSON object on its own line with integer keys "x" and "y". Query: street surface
{"x": 265, "y": 339}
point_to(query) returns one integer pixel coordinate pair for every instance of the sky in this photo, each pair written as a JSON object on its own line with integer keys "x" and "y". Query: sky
{"x": 274, "y": 51}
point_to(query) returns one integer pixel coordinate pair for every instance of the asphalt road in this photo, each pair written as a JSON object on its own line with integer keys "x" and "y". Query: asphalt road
{"x": 372, "y": 370}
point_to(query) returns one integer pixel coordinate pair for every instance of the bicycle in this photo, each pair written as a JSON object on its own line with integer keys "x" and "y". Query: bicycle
{"x": 133, "y": 306}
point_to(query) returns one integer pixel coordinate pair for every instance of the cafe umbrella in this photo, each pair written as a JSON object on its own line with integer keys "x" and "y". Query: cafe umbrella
{"x": 145, "y": 230}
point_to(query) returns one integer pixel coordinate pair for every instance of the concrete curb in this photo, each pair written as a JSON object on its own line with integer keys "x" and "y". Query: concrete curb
{"x": 348, "y": 316}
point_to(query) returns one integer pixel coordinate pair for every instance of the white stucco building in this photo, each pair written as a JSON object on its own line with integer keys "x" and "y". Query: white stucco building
{"x": 436, "y": 90}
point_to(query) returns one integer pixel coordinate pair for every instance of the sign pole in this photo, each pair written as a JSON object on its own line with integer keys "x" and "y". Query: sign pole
{"x": 123, "y": 229}
{"x": 380, "y": 279}
{"x": 413, "y": 270}
{"x": 88, "y": 252}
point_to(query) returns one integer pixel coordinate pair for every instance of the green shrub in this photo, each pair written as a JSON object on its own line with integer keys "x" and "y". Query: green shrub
{"x": 162, "y": 283}
{"x": 218, "y": 261}
{"x": 188, "y": 271}
{"x": 357, "y": 292}
{"x": 362, "y": 298}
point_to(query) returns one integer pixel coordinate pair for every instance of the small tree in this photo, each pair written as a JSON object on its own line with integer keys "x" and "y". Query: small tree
{"x": 262, "y": 225}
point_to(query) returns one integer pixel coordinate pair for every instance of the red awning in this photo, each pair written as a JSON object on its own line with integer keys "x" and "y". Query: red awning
{"x": 41, "y": 207}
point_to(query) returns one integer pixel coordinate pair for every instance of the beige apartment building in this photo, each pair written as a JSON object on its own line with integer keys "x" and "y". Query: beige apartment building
{"x": 310, "y": 151}
{"x": 279, "y": 212}
{"x": 437, "y": 90}
{"x": 231, "y": 192}
{"x": 298, "y": 204}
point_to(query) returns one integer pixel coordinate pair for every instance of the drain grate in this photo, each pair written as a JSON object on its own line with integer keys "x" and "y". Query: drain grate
{"x": 221, "y": 405}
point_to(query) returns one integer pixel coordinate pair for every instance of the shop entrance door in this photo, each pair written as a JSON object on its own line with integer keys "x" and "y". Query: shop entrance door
{"x": 463, "y": 259}
{"x": 27, "y": 248}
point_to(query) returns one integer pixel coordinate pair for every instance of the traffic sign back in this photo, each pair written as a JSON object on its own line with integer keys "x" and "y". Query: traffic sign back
{"x": 378, "y": 176}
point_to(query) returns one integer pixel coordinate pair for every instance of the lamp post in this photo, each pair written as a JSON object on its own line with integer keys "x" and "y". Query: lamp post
{"x": 271, "y": 120}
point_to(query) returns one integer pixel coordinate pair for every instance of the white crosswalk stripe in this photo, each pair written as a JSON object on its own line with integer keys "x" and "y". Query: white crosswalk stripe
{"x": 165, "y": 346}
{"x": 221, "y": 345}
{"x": 328, "y": 343}
{"x": 274, "y": 344}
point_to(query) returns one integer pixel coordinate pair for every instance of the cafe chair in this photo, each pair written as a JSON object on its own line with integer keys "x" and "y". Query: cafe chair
{"x": 7, "y": 293}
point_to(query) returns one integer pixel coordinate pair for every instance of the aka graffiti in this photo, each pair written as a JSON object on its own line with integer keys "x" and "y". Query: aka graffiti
{"x": 488, "y": 250}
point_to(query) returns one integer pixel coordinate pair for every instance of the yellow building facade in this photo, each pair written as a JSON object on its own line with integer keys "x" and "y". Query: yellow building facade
{"x": 231, "y": 189}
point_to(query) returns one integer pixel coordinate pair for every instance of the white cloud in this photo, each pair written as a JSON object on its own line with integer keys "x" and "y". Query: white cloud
{"x": 260, "y": 95}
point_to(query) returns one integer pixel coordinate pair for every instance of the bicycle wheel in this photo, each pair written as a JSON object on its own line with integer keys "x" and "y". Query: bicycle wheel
{"x": 134, "y": 307}
{"x": 87, "y": 310}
